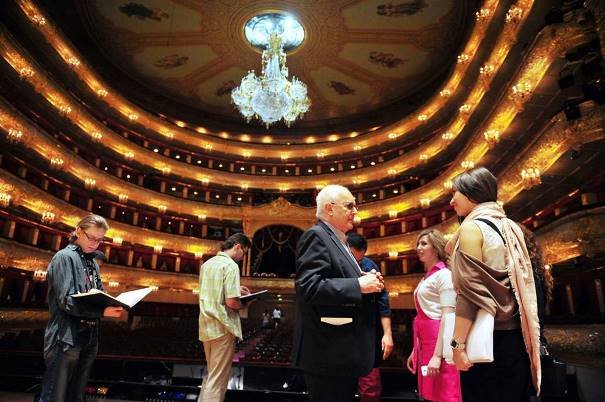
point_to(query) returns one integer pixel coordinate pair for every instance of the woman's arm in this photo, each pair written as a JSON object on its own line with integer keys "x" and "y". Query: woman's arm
{"x": 435, "y": 362}
{"x": 471, "y": 242}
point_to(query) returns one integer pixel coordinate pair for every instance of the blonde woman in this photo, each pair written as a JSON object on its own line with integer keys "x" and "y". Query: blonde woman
{"x": 434, "y": 298}
{"x": 72, "y": 333}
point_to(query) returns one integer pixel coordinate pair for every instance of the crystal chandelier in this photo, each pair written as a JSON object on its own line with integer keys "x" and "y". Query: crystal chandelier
{"x": 271, "y": 97}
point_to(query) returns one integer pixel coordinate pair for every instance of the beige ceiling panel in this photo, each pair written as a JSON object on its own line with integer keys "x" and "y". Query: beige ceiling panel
{"x": 172, "y": 62}
{"x": 149, "y": 16}
{"x": 400, "y": 14}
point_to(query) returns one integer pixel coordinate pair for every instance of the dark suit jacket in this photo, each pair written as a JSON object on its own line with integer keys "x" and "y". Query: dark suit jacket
{"x": 327, "y": 286}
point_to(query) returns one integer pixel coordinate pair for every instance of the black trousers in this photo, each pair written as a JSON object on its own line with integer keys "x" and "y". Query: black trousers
{"x": 323, "y": 388}
{"x": 506, "y": 379}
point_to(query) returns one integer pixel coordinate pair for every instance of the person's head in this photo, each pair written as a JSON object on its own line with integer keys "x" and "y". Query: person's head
{"x": 358, "y": 245}
{"x": 89, "y": 233}
{"x": 336, "y": 205}
{"x": 471, "y": 188}
{"x": 236, "y": 246}
{"x": 99, "y": 257}
{"x": 430, "y": 246}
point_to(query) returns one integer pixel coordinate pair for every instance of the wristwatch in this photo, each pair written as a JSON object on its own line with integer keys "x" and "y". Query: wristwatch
{"x": 457, "y": 345}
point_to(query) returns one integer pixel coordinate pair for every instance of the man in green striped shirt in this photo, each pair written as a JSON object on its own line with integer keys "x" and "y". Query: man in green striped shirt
{"x": 219, "y": 322}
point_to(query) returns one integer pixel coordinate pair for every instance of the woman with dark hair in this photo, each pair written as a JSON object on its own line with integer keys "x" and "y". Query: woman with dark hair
{"x": 542, "y": 278}
{"x": 434, "y": 297}
{"x": 72, "y": 333}
{"x": 491, "y": 271}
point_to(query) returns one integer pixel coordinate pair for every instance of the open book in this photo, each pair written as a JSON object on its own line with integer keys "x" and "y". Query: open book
{"x": 126, "y": 299}
{"x": 252, "y": 296}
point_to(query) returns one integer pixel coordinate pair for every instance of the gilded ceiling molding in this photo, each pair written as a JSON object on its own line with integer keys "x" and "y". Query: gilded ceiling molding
{"x": 553, "y": 142}
{"x": 347, "y": 145}
{"x": 539, "y": 61}
{"x": 278, "y": 212}
{"x": 36, "y": 200}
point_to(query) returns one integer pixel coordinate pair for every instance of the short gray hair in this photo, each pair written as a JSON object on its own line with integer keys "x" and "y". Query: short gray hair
{"x": 327, "y": 195}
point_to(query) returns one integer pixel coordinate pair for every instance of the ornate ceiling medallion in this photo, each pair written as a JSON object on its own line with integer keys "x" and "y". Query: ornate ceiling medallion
{"x": 272, "y": 97}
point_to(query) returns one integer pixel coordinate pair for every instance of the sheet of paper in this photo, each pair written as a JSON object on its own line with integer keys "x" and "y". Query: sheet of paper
{"x": 134, "y": 296}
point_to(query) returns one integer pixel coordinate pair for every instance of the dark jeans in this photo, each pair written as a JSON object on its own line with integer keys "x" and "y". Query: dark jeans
{"x": 323, "y": 388}
{"x": 68, "y": 368}
{"x": 506, "y": 379}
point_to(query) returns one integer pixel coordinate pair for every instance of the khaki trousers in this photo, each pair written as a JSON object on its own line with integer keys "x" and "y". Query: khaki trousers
{"x": 219, "y": 355}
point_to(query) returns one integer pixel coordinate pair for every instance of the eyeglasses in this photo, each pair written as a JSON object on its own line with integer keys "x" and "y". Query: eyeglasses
{"x": 92, "y": 239}
{"x": 348, "y": 205}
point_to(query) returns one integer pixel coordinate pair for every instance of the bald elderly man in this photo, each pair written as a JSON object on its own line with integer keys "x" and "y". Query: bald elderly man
{"x": 335, "y": 335}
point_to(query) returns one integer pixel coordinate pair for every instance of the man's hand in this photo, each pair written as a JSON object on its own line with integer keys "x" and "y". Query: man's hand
{"x": 387, "y": 345}
{"x": 244, "y": 290}
{"x": 369, "y": 282}
{"x": 113, "y": 312}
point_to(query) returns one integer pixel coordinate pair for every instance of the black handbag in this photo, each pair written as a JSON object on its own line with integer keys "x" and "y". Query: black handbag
{"x": 554, "y": 376}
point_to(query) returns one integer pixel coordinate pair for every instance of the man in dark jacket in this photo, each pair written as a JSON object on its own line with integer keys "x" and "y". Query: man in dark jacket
{"x": 336, "y": 323}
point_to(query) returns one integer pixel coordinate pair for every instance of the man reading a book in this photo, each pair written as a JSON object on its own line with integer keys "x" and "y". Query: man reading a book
{"x": 72, "y": 334}
{"x": 219, "y": 322}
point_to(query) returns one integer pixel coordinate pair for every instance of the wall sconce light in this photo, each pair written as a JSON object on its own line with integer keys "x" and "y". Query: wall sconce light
{"x": 467, "y": 165}
{"x": 158, "y": 248}
{"x": 123, "y": 198}
{"x": 117, "y": 240}
{"x": 133, "y": 117}
{"x": 393, "y": 255}
{"x": 89, "y": 183}
{"x": 465, "y": 109}
{"x": 64, "y": 110}
{"x": 482, "y": 15}
{"x": 129, "y": 155}
{"x": 514, "y": 15}
{"x": 198, "y": 255}
{"x": 492, "y": 137}
{"x": 447, "y": 136}
{"x": 47, "y": 217}
{"x": 423, "y": 117}
{"x": 423, "y": 158}
{"x": 162, "y": 209}
{"x": 56, "y": 162}
{"x": 102, "y": 92}
{"x": 530, "y": 177}
{"x": 463, "y": 58}
{"x": 357, "y": 219}
{"x": 165, "y": 171}
{"x": 14, "y": 135}
{"x": 113, "y": 284}
{"x": 96, "y": 136}
{"x": 39, "y": 275}
{"x": 38, "y": 19}
{"x": 425, "y": 202}
{"x": 201, "y": 217}
{"x": 392, "y": 214}
{"x": 445, "y": 93}
{"x": 73, "y": 62}
{"x": 448, "y": 185}
{"x": 25, "y": 72}
{"x": 5, "y": 199}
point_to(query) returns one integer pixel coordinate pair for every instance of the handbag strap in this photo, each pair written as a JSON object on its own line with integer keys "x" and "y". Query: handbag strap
{"x": 493, "y": 226}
